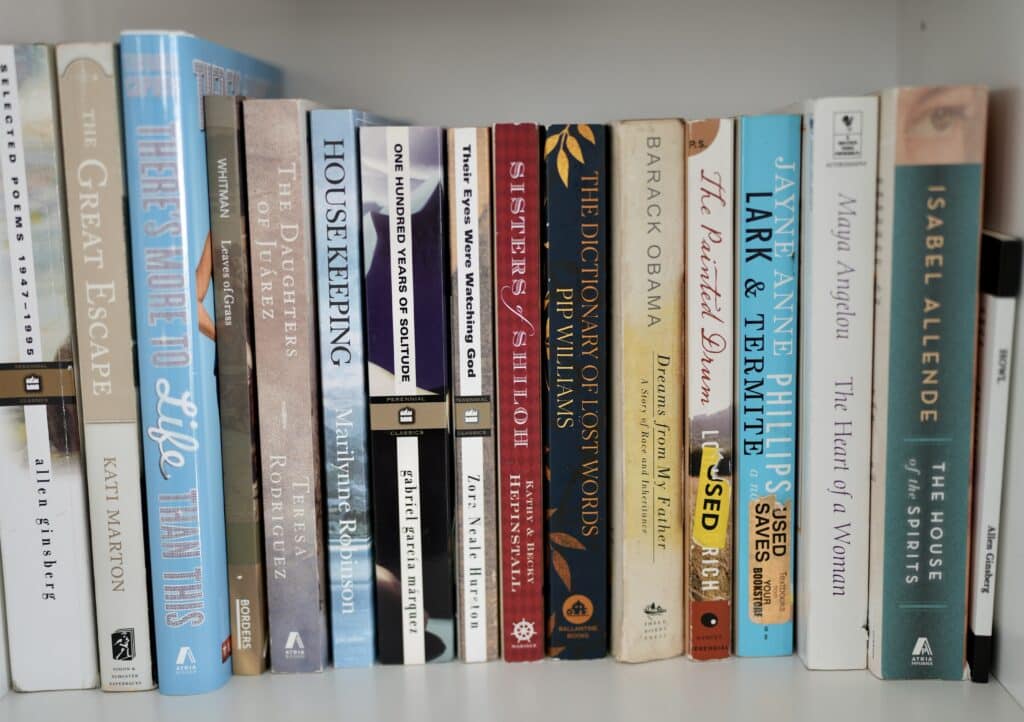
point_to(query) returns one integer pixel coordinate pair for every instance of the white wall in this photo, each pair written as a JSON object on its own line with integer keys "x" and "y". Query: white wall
{"x": 980, "y": 42}
{"x": 466, "y": 62}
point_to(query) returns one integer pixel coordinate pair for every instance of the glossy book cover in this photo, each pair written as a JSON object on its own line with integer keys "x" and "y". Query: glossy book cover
{"x": 164, "y": 77}
{"x": 337, "y": 213}
{"x": 576, "y": 379}
{"x": 767, "y": 242}
{"x": 406, "y": 288}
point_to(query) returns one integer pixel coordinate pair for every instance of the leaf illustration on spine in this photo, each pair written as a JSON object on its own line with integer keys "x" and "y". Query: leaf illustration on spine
{"x": 561, "y": 568}
{"x": 586, "y": 131}
{"x": 566, "y": 540}
{"x": 547, "y": 473}
{"x": 551, "y": 624}
{"x": 562, "y": 163}
{"x": 574, "y": 147}
{"x": 551, "y": 143}
{"x": 555, "y": 651}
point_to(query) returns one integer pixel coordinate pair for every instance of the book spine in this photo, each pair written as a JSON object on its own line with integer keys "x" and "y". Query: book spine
{"x": 922, "y": 433}
{"x": 284, "y": 332}
{"x": 5, "y": 663}
{"x": 647, "y": 423}
{"x": 236, "y": 383}
{"x": 1000, "y": 286}
{"x": 836, "y": 329}
{"x": 518, "y": 339}
{"x": 710, "y": 309}
{"x": 44, "y": 528}
{"x": 768, "y": 233}
{"x": 409, "y": 371}
{"x": 346, "y": 426}
{"x": 476, "y": 564}
{"x": 94, "y": 178}
{"x": 163, "y": 79}
{"x": 576, "y": 299}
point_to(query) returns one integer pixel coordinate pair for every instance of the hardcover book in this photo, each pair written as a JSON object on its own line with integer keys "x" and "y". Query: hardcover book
{"x": 710, "y": 325}
{"x": 164, "y": 77}
{"x": 840, "y": 151}
{"x": 646, "y": 422}
{"x": 284, "y": 335}
{"x": 1001, "y": 271}
{"x": 44, "y": 523}
{"x": 767, "y": 242}
{"x": 333, "y": 136}
{"x": 930, "y": 170}
{"x": 97, "y": 230}
{"x": 236, "y": 382}
{"x": 476, "y": 549}
{"x": 518, "y": 347}
{"x": 576, "y": 381}
{"x": 406, "y": 286}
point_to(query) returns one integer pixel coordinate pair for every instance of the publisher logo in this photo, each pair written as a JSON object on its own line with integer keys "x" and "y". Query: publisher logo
{"x": 186, "y": 662}
{"x": 577, "y": 609}
{"x": 294, "y": 648}
{"x": 922, "y": 655}
{"x": 33, "y": 384}
{"x": 847, "y": 135}
{"x": 471, "y": 416}
{"x": 654, "y": 610}
{"x": 407, "y": 415}
{"x": 523, "y": 631}
{"x": 122, "y": 645}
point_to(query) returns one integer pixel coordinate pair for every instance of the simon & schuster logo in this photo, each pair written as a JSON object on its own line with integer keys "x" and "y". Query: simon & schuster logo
{"x": 122, "y": 645}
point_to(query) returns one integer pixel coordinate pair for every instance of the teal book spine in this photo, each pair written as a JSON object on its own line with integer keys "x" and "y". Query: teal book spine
{"x": 343, "y": 386}
{"x": 767, "y": 263}
{"x": 164, "y": 78}
{"x": 931, "y": 152}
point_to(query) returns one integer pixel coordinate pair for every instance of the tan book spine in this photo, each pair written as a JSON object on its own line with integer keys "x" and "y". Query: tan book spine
{"x": 97, "y": 230}
{"x": 647, "y": 402}
{"x": 284, "y": 325}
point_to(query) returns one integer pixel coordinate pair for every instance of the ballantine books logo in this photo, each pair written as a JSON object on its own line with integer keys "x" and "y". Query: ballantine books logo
{"x": 922, "y": 654}
{"x": 294, "y": 647}
{"x": 186, "y": 662}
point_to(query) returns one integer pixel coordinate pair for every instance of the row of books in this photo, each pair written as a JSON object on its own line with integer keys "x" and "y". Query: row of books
{"x": 403, "y": 393}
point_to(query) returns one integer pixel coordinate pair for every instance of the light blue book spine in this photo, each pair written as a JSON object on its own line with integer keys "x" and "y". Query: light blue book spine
{"x": 339, "y": 277}
{"x": 768, "y": 233}
{"x": 164, "y": 76}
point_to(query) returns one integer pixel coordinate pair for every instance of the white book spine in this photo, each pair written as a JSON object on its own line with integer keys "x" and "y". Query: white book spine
{"x": 44, "y": 529}
{"x": 5, "y": 671}
{"x": 836, "y": 327}
{"x": 998, "y": 316}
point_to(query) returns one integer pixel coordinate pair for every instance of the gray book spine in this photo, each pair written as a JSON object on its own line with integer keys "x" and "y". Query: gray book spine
{"x": 284, "y": 322}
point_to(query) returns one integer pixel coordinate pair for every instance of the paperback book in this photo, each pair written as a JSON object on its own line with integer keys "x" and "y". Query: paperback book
{"x": 576, "y": 381}
{"x": 646, "y": 414}
{"x": 164, "y": 76}
{"x": 97, "y": 229}
{"x": 930, "y": 170}
{"x": 1001, "y": 257}
{"x": 284, "y": 336}
{"x": 476, "y": 549}
{"x": 44, "y": 522}
{"x": 767, "y": 259}
{"x": 710, "y": 325}
{"x": 406, "y": 288}
{"x": 334, "y": 148}
{"x": 518, "y": 347}
{"x": 236, "y": 382}
{"x": 840, "y": 151}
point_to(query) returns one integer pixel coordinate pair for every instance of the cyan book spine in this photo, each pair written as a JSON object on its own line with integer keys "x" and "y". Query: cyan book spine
{"x": 343, "y": 387}
{"x": 164, "y": 78}
{"x": 768, "y": 233}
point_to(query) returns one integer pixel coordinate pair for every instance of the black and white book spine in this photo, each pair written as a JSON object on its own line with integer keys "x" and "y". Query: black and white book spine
{"x": 840, "y": 149}
{"x": 1000, "y": 286}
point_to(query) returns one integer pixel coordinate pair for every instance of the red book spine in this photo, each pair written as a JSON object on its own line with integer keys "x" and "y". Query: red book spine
{"x": 517, "y": 284}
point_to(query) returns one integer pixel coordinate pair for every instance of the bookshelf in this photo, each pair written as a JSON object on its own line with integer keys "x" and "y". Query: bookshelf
{"x": 453, "y": 61}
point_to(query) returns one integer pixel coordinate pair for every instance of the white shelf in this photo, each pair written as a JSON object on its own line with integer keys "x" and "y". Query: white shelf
{"x": 767, "y": 690}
